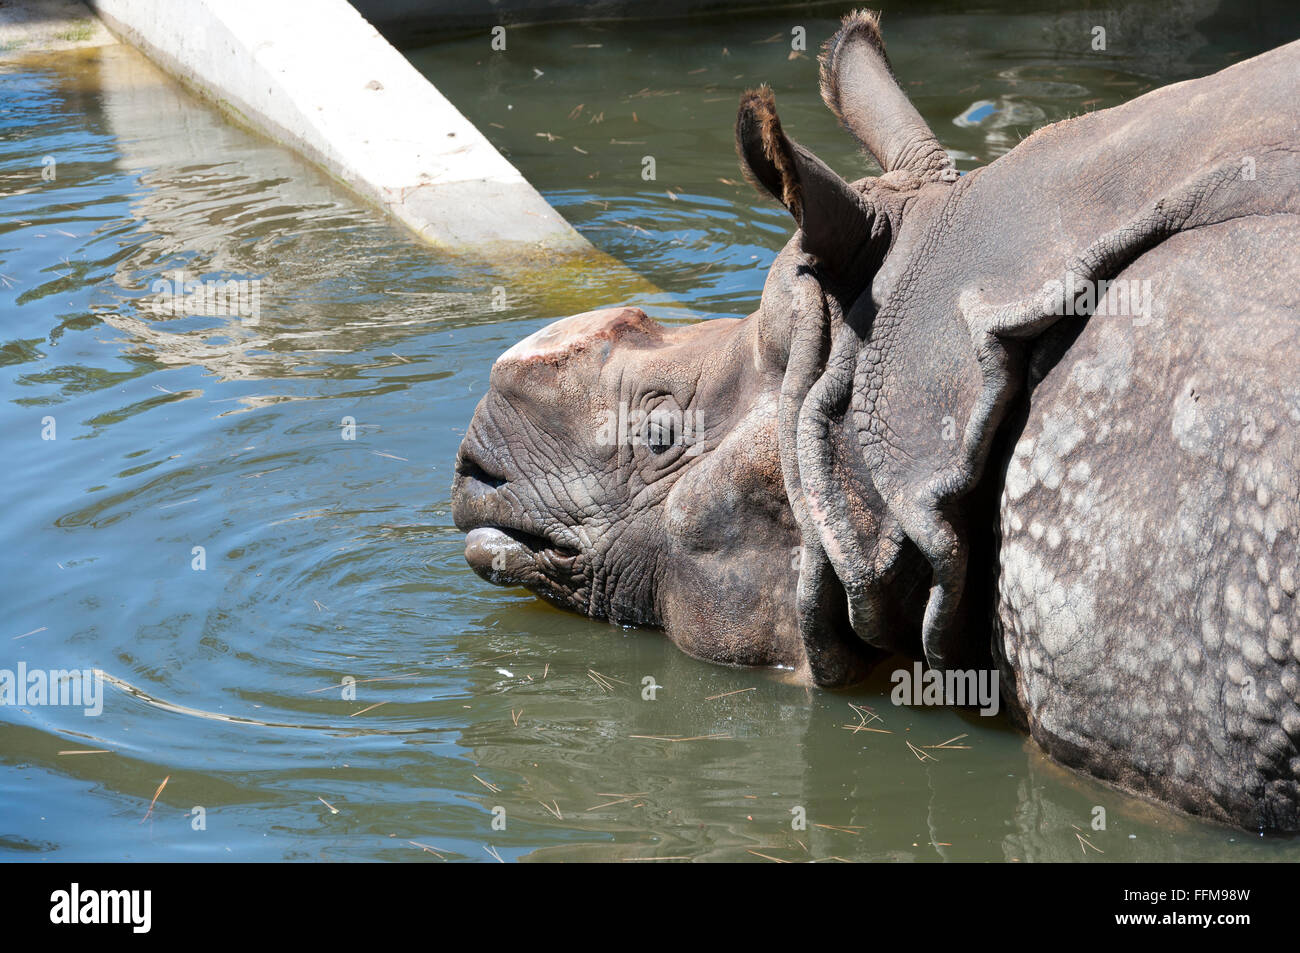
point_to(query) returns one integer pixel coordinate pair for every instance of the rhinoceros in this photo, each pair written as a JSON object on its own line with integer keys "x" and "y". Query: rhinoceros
{"x": 1040, "y": 417}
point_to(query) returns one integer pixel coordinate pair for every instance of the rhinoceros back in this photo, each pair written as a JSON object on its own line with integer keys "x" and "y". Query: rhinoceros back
{"x": 1147, "y": 607}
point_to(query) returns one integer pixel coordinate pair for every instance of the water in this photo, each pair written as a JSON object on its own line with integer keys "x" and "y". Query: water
{"x": 328, "y": 558}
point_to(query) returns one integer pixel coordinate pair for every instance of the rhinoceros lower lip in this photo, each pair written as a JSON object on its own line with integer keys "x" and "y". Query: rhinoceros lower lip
{"x": 504, "y": 554}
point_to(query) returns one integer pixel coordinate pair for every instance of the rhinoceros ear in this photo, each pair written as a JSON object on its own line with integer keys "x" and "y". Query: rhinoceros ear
{"x": 836, "y": 221}
{"x": 858, "y": 85}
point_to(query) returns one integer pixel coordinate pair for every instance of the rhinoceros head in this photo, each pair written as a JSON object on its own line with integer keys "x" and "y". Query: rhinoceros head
{"x": 676, "y": 476}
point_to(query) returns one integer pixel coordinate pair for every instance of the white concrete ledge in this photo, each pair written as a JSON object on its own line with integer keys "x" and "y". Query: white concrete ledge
{"x": 49, "y": 26}
{"x": 314, "y": 75}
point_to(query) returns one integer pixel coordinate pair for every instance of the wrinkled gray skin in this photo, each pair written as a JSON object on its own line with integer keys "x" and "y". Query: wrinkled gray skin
{"x": 1106, "y": 507}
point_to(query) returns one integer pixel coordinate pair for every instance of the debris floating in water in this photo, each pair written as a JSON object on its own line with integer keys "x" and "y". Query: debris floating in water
{"x": 426, "y": 847}
{"x": 155, "y": 798}
{"x": 377, "y": 678}
{"x": 948, "y": 745}
{"x": 1084, "y": 843}
{"x": 605, "y": 682}
{"x": 618, "y": 799}
{"x": 865, "y": 717}
{"x": 333, "y": 809}
{"x": 846, "y": 829}
{"x": 920, "y": 755}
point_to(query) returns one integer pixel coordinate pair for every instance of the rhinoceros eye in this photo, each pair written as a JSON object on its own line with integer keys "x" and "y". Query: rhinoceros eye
{"x": 660, "y": 432}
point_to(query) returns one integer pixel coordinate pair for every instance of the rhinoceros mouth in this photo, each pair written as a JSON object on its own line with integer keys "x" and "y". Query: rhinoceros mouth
{"x": 503, "y": 544}
{"x": 483, "y": 544}
{"x": 506, "y": 556}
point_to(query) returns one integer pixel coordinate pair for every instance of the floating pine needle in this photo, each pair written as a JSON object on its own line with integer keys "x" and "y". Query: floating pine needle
{"x": 155, "y": 798}
{"x": 492, "y": 852}
{"x": 864, "y": 713}
{"x": 920, "y": 755}
{"x": 88, "y": 751}
{"x": 514, "y": 715}
{"x": 618, "y": 799}
{"x": 364, "y": 710}
{"x": 948, "y": 745}
{"x": 738, "y": 691}
{"x": 1084, "y": 844}
{"x": 604, "y": 681}
{"x": 495, "y": 657}
{"x": 377, "y": 678}
{"x": 621, "y": 800}
{"x": 634, "y": 859}
{"x": 635, "y": 228}
{"x": 553, "y": 810}
{"x": 491, "y": 787}
{"x": 720, "y": 735}
{"x": 426, "y": 847}
{"x": 865, "y": 717}
{"x": 849, "y": 829}
{"x": 775, "y": 860}
{"x": 333, "y": 809}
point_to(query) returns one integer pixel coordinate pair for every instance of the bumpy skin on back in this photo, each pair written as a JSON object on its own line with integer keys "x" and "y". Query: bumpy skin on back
{"x": 1147, "y": 593}
{"x": 915, "y": 444}
{"x": 1147, "y": 590}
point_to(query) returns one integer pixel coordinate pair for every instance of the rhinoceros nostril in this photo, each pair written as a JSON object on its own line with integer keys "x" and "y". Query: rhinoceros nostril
{"x": 471, "y": 469}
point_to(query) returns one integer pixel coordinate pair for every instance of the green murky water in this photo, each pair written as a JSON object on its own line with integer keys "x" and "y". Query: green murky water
{"x": 327, "y": 558}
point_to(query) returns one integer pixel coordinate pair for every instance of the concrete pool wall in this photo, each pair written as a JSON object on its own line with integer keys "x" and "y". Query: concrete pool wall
{"x": 320, "y": 79}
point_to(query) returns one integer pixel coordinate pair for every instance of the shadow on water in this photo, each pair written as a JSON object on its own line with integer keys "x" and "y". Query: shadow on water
{"x": 203, "y": 530}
